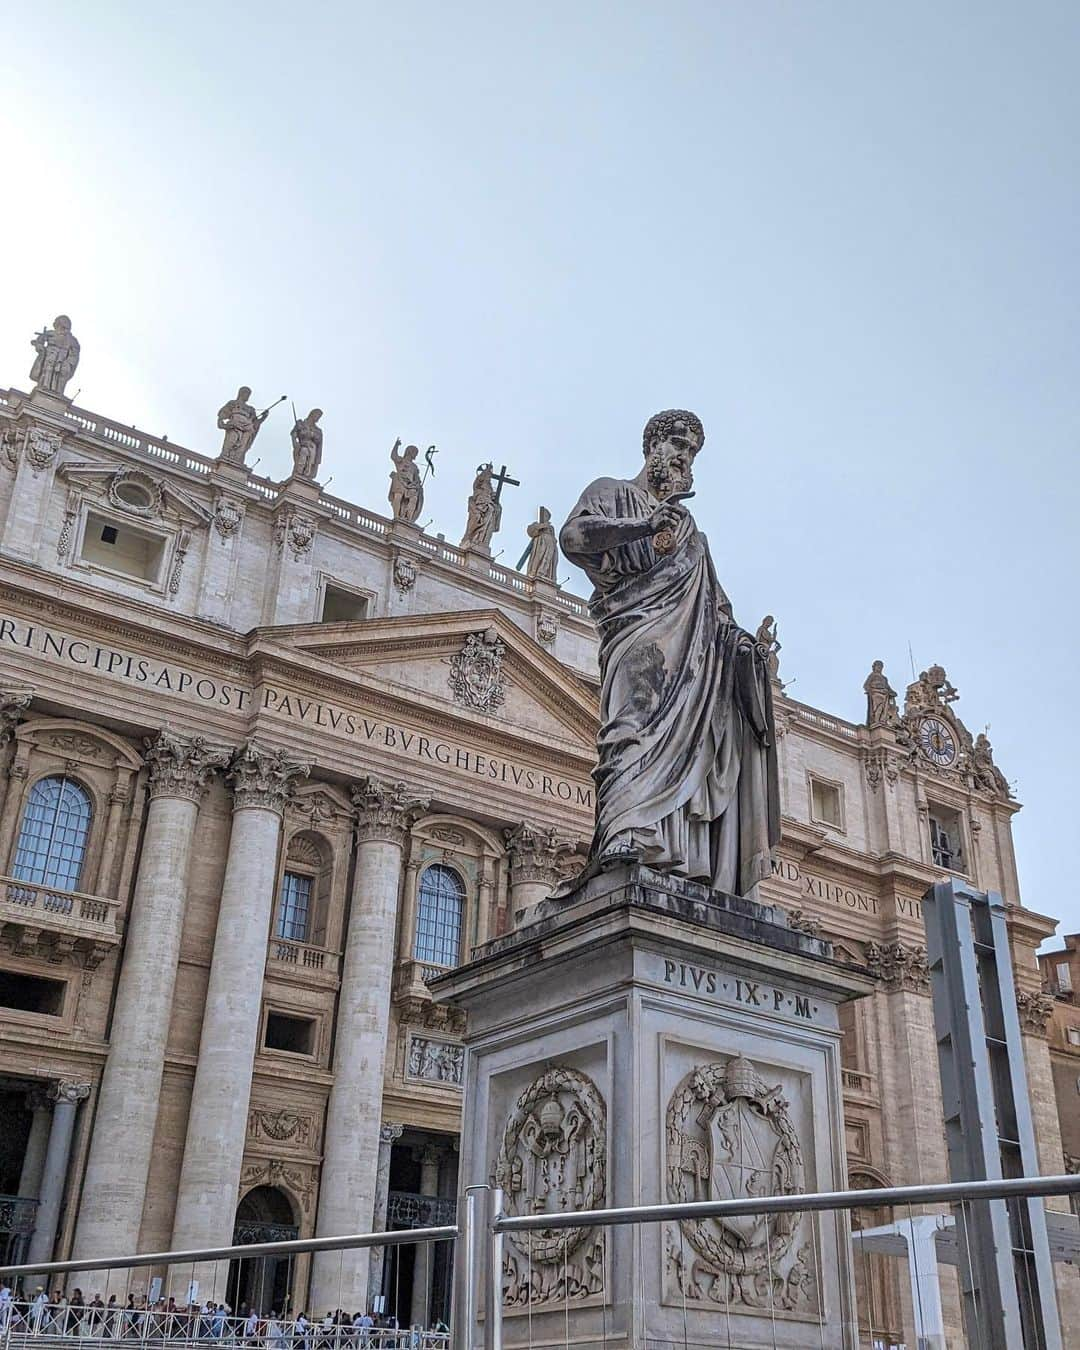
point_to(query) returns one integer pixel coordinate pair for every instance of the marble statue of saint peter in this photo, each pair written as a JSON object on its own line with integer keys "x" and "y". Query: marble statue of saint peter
{"x": 686, "y": 779}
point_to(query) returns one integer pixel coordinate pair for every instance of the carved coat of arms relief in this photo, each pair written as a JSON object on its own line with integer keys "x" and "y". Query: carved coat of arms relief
{"x": 476, "y": 674}
{"x": 731, "y": 1137}
{"x": 553, "y": 1159}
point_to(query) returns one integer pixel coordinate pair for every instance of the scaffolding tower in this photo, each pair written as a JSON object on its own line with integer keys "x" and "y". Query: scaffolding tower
{"x": 1005, "y": 1271}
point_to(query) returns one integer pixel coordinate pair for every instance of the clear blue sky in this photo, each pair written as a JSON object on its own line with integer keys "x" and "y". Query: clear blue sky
{"x": 845, "y": 233}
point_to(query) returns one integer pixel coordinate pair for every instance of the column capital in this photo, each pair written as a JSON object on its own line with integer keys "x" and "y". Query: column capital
{"x": 1035, "y": 1010}
{"x": 262, "y": 776}
{"x": 536, "y": 854}
{"x": 69, "y": 1090}
{"x": 180, "y": 766}
{"x": 390, "y": 1134}
{"x": 13, "y": 705}
{"x": 385, "y": 810}
{"x": 898, "y": 966}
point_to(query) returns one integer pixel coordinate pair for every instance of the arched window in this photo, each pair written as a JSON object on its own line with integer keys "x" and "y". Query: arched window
{"x": 438, "y": 918}
{"x": 55, "y": 828}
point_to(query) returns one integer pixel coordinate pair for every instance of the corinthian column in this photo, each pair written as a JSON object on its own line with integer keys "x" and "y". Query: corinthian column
{"x": 347, "y": 1188}
{"x": 122, "y": 1142}
{"x": 262, "y": 782}
{"x": 534, "y": 867}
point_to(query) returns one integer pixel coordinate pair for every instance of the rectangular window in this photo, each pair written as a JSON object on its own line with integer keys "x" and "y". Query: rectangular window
{"x": 947, "y": 839}
{"x": 342, "y": 606}
{"x": 31, "y": 993}
{"x": 825, "y": 803}
{"x": 294, "y": 907}
{"x": 122, "y": 548}
{"x": 294, "y": 1034}
{"x": 1074, "y": 1035}
{"x": 1064, "y": 977}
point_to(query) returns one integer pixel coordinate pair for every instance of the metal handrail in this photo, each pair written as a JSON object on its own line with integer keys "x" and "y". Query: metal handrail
{"x": 946, "y": 1192}
{"x": 399, "y": 1237}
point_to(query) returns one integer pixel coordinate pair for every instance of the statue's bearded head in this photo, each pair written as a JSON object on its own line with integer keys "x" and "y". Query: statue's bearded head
{"x": 670, "y": 442}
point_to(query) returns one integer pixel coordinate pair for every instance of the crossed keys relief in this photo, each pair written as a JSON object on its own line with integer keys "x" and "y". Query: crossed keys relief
{"x": 553, "y": 1159}
{"x": 731, "y": 1137}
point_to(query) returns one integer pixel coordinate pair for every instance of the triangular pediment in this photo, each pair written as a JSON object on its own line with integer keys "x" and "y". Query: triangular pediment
{"x": 475, "y": 663}
{"x": 156, "y": 494}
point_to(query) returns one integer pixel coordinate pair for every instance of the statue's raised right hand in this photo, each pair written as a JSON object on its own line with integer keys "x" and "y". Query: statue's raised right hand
{"x": 665, "y": 517}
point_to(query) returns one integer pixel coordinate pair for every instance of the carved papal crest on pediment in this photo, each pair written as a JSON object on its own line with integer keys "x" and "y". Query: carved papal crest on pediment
{"x": 730, "y": 1136}
{"x": 553, "y": 1158}
{"x": 476, "y": 674}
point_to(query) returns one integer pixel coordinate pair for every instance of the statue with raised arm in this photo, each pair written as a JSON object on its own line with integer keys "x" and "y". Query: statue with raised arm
{"x": 406, "y": 484}
{"x": 881, "y": 709}
{"x": 307, "y": 441}
{"x": 770, "y": 644}
{"x": 485, "y": 510}
{"x": 543, "y": 549}
{"x": 686, "y": 779}
{"x": 240, "y": 423}
{"x": 57, "y": 356}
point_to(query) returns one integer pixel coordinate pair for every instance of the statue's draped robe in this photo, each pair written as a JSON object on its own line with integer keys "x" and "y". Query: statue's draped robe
{"x": 543, "y": 560}
{"x": 687, "y": 771}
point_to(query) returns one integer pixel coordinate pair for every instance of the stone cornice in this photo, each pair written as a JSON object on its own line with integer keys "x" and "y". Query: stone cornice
{"x": 81, "y": 605}
{"x": 263, "y": 777}
{"x": 180, "y": 766}
{"x": 442, "y": 718}
{"x": 386, "y": 811}
{"x": 442, "y": 634}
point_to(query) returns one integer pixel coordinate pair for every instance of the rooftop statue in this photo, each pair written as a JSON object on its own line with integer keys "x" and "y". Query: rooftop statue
{"x": 57, "y": 356}
{"x": 543, "y": 551}
{"x": 686, "y": 780}
{"x": 881, "y": 709}
{"x": 406, "y": 484}
{"x": 770, "y": 643}
{"x": 307, "y": 439}
{"x": 485, "y": 510}
{"x": 240, "y": 423}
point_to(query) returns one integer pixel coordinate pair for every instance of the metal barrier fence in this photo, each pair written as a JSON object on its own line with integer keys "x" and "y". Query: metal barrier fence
{"x": 765, "y": 1270}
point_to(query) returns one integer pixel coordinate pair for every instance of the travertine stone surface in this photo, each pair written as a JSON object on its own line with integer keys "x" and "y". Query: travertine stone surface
{"x": 114, "y": 1188}
{"x": 354, "y": 1112}
{"x": 214, "y": 1147}
{"x": 654, "y": 1041}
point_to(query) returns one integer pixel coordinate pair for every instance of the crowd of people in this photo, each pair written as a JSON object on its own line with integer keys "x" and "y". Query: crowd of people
{"x": 37, "y": 1315}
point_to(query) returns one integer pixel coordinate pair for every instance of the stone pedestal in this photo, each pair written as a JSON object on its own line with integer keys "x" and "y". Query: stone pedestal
{"x": 650, "y": 1041}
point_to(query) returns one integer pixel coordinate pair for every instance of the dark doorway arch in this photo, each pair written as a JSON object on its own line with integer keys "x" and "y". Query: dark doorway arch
{"x": 263, "y": 1284}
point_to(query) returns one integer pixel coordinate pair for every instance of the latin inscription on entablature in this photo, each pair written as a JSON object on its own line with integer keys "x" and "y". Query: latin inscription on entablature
{"x": 756, "y": 997}
{"x": 199, "y": 688}
{"x": 804, "y": 883}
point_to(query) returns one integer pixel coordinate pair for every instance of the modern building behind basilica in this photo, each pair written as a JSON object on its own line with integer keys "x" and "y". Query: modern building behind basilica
{"x": 271, "y": 760}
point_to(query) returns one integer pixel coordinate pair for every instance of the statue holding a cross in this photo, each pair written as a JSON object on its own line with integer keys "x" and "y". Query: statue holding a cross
{"x": 485, "y": 508}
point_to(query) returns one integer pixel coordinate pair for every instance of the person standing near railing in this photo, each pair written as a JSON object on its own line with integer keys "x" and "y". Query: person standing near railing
{"x": 302, "y": 1339}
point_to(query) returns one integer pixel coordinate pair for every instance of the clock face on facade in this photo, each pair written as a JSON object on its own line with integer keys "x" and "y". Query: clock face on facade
{"x": 937, "y": 742}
